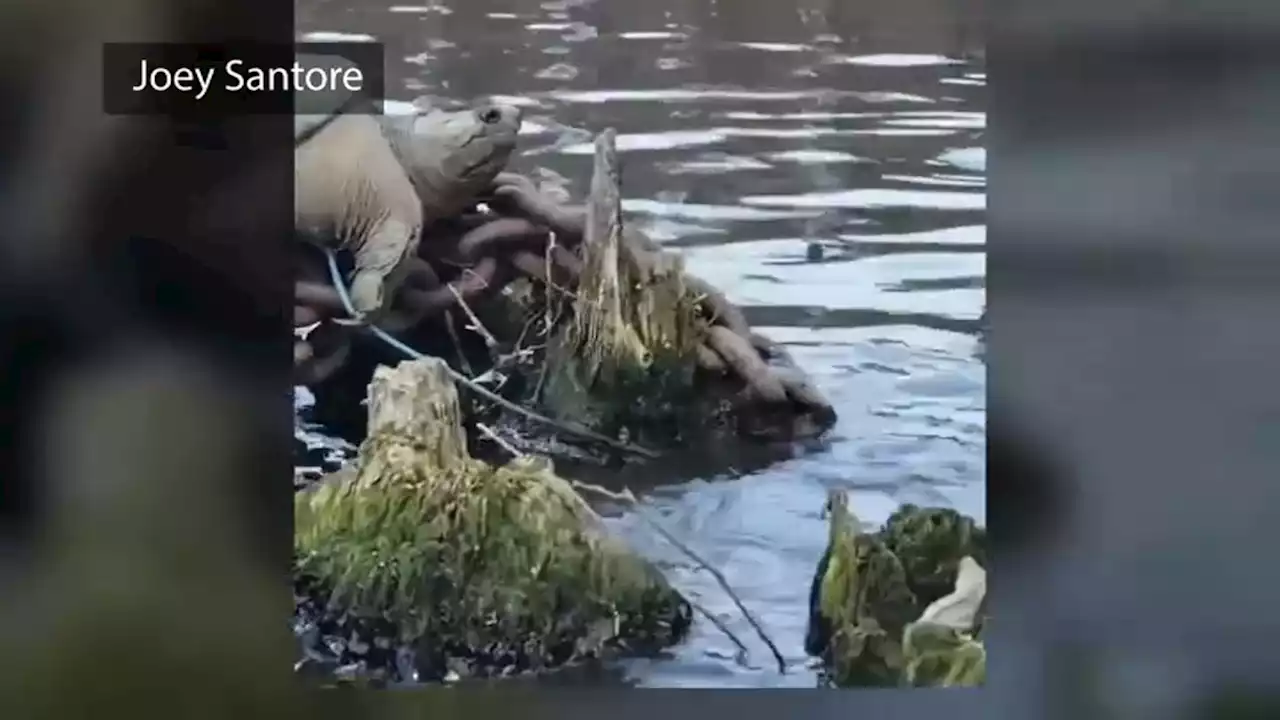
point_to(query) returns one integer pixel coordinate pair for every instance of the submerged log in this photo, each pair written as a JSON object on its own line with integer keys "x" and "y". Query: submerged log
{"x": 494, "y": 570}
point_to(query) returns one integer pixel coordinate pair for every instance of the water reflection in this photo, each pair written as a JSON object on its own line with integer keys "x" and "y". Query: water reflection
{"x": 750, "y": 131}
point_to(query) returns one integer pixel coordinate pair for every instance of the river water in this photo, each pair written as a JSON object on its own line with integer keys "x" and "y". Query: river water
{"x": 747, "y": 132}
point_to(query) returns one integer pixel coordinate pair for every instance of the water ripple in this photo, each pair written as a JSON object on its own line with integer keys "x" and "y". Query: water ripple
{"x": 893, "y": 60}
{"x": 873, "y": 197}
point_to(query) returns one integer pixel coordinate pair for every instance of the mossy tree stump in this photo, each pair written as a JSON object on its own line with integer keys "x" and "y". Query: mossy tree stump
{"x": 505, "y": 568}
{"x": 903, "y": 605}
{"x": 628, "y": 354}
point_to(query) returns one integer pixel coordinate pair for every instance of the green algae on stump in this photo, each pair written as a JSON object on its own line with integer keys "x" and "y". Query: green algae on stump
{"x": 461, "y": 554}
{"x": 628, "y": 354}
{"x": 930, "y": 542}
{"x": 865, "y": 619}
{"x": 864, "y": 603}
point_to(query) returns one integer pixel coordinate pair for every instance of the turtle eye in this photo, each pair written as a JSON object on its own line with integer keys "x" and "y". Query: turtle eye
{"x": 490, "y": 116}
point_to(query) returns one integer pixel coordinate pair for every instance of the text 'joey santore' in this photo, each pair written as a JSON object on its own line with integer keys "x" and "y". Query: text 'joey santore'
{"x": 236, "y": 75}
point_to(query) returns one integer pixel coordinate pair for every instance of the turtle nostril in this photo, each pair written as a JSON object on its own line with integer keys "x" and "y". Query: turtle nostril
{"x": 490, "y": 116}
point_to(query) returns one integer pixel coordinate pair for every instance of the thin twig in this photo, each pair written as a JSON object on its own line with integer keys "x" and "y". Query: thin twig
{"x": 558, "y": 288}
{"x": 742, "y": 648}
{"x": 335, "y": 276}
{"x": 542, "y": 378}
{"x": 528, "y": 350}
{"x": 479, "y": 327}
{"x": 546, "y": 259}
{"x": 626, "y": 496}
{"x": 524, "y": 330}
{"x": 572, "y": 429}
{"x": 549, "y": 282}
{"x": 457, "y": 342}
{"x": 550, "y": 301}
{"x": 547, "y": 324}
{"x": 489, "y": 433}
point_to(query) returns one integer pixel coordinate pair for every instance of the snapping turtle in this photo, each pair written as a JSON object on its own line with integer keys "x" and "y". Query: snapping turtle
{"x": 369, "y": 183}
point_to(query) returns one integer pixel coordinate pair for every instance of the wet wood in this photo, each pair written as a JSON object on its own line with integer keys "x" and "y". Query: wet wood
{"x": 413, "y": 405}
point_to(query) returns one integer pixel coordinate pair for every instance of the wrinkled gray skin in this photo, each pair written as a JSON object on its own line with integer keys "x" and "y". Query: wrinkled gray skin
{"x": 369, "y": 184}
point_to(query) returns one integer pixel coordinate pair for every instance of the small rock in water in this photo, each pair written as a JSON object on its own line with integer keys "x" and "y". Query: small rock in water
{"x": 814, "y": 252}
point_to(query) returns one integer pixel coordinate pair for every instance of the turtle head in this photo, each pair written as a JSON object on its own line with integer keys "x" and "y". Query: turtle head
{"x": 454, "y": 155}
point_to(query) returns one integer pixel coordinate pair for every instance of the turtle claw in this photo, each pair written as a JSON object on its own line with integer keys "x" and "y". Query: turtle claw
{"x": 360, "y": 320}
